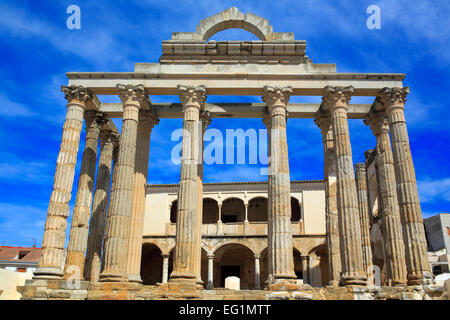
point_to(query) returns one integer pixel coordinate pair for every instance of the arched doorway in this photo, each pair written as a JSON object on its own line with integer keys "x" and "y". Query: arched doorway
{"x": 151, "y": 264}
{"x": 234, "y": 259}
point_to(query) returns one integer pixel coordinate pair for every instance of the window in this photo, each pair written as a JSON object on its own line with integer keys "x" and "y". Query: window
{"x": 22, "y": 254}
{"x": 21, "y": 270}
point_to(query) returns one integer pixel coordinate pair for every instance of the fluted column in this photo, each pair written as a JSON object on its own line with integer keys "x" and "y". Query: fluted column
{"x": 267, "y": 121}
{"x": 336, "y": 101}
{"x": 280, "y": 236}
{"x": 363, "y": 200}
{"x": 147, "y": 120}
{"x": 389, "y": 212}
{"x": 210, "y": 284}
{"x": 113, "y": 186}
{"x": 192, "y": 99}
{"x": 205, "y": 121}
{"x": 323, "y": 121}
{"x": 99, "y": 208}
{"x": 418, "y": 267}
{"x": 52, "y": 256}
{"x": 257, "y": 273}
{"x": 165, "y": 271}
{"x": 78, "y": 238}
{"x": 117, "y": 227}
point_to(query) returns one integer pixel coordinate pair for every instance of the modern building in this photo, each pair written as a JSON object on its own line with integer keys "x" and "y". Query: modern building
{"x": 17, "y": 265}
{"x": 437, "y": 230}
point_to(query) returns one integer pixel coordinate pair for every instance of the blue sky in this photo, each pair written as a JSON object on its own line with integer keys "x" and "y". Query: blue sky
{"x": 36, "y": 49}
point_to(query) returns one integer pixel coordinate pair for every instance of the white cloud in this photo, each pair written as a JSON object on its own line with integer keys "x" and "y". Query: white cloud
{"x": 434, "y": 190}
{"x": 19, "y": 224}
{"x": 10, "y": 109}
{"x": 28, "y": 171}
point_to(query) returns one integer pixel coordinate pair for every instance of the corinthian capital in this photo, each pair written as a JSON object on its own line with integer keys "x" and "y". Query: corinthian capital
{"x": 109, "y": 136}
{"x": 191, "y": 96}
{"x": 323, "y": 121}
{"x": 78, "y": 93}
{"x": 336, "y": 97}
{"x": 147, "y": 119}
{"x": 377, "y": 122}
{"x": 205, "y": 117}
{"x": 276, "y": 96}
{"x": 131, "y": 92}
{"x": 393, "y": 96}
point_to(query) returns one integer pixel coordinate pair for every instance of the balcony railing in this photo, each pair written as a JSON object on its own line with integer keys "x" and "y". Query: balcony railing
{"x": 237, "y": 229}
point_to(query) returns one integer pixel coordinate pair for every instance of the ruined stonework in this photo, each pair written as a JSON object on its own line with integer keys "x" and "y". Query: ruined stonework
{"x": 275, "y": 239}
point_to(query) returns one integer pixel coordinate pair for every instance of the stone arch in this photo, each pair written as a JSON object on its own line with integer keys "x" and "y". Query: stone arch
{"x": 232, "y": 18}
{"x": 234, "y": 259}
{"x": 224, "y": 243}
{"x": 151, "y": 264}
{"x": 210, "y": 210}
{"x": 233, "y": 210}
{"x": 257, "y": 209}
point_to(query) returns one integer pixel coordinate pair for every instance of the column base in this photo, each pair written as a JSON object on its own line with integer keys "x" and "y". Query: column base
{"x": 333, "y": 283}
{"x": 113, "y": 290}
{"x": 135, "y": 278}
{"x": 180, "y": 289}
{"x": 48, "y": 273}
{"x": 113, "y": 277}
{"x": 44, "y": 289}
{"x": 425, "y": 278}
{"x": 353, "y": 280}
{"x": 283, "y": 285}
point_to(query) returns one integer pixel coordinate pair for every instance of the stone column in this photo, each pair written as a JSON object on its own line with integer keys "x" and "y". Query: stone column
{"x": 336, "y": 100}
{"x": 117, "y": 227}
{"x": 92, "y": 269}
{"x": 280, "y": 236}
{"x": 147, "y": 121}
{"x": 305, "y": 269}
{"x": 418, "y": 268}
{"x": 165, "y": 271}
{"x": 113, "y": 186}
{"x": 257, "y": 273}
{"x": 246, "y": 223}
{"x": 205, "y": 121}
{"x": 210, "y": 284}
{"x": 268, "y": 124}
{"x": 219, "y": 222}
{"x": 323, "y": 121}
{"x": 78, "y": 238}
{"x": 192, "y": 99}
{"x": 363, "y": 200}
{"x": 394, "y": 247}
{"x": 52, "y": 257}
